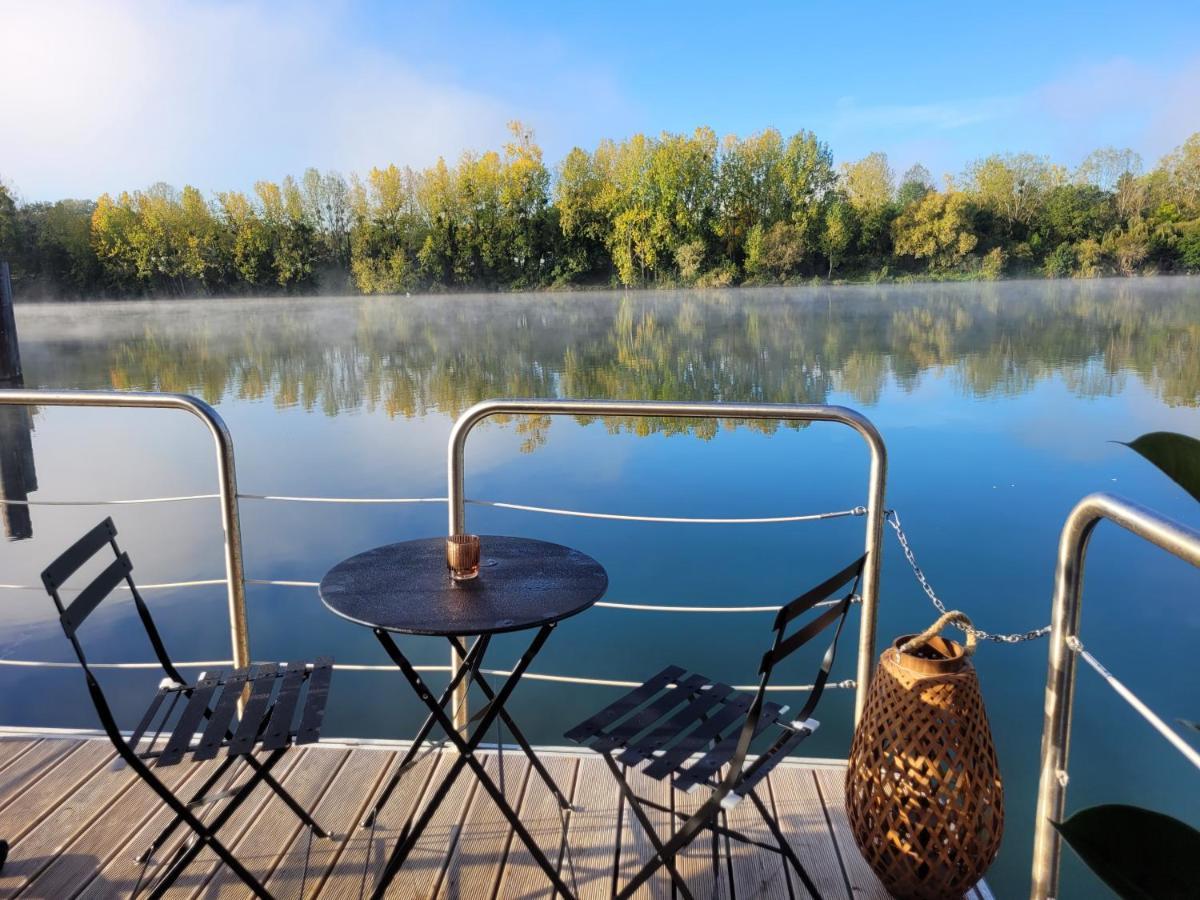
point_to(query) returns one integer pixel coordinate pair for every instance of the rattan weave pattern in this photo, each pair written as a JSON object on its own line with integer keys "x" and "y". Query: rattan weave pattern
{"x": 923, "y": 790}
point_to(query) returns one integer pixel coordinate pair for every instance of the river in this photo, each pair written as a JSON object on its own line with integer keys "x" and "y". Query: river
{"x": 999, "y": 403}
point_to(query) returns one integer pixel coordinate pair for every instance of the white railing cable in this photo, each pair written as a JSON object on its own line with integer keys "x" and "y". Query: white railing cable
{"x": 288, "y": 499}
{"x": 1190, "y": 753}
{"x": 846, "y": 684}
{"x": 154, "y": 586}
{"x": 605, "y": 604}
{"x": 133, "y": 502}
{"x": 496, "y": 504}
{"x": 677, "y": 520}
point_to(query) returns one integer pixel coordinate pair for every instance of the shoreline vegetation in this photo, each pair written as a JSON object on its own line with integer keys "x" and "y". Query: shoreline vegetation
{"x": 671, "y": 211}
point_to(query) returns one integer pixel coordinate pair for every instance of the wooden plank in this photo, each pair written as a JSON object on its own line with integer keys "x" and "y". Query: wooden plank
{"x": 592, "y": 828}
{"x": 801, "y": 816}
{"x": 100, "y": 863}
{"x": 44, "y": 843}
{"x": 11, "y": 747}
{"x": 31, "y": 767}
{"x": 522, "y": 878}
{"x": 426, "y": 865}
{"x": 479, "y": 858}
{"x": 756, "y": 872}
{"x": 338, "y": 812}
{"x": 346, "y": 879}
{"x": 863, "y": 883}
{"x": 261, "y": 846}
{"x": 636, "y": 848}
{"x": 43, "y": 796}
{"x": 695, "y": 861}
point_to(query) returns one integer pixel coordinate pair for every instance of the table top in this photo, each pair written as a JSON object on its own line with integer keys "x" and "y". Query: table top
{"x": 407, "y": 588}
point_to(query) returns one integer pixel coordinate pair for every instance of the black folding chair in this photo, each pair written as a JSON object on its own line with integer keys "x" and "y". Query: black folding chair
{"x": 674, "y": 716}
{"x": 207, "y": 708}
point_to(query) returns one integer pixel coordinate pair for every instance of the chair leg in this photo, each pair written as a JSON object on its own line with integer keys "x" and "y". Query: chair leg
{"x": 661, "y": 856}
{"x": 207, "y": 836}
{"x": 197, "y": 796}
{"x": 784, "y": 847}
{"x": 287, "y": 798}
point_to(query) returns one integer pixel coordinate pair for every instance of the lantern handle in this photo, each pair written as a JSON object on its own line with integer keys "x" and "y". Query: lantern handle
{"x": 945, "y": 619}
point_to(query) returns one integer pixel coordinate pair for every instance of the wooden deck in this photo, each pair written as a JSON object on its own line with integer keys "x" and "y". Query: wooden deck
{"x": 75, "y": 822}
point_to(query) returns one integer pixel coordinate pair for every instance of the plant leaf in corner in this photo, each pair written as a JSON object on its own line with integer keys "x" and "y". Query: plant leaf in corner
{"x": 1177, "y": 455}
{"x": 1140, "y": 854}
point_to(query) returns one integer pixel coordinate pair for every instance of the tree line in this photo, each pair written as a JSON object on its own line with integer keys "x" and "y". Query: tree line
{"x": 672, "y": 210}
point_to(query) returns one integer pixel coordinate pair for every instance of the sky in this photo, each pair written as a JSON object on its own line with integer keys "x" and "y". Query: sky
{"x": 115, "y": 95}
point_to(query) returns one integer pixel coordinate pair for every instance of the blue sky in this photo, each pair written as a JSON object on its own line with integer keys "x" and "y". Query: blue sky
{"x": 120, "y": 94}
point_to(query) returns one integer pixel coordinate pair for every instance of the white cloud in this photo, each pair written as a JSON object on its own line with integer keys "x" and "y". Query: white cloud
{"x": 117, "y": 95}
{"x": 1111, "y": 102}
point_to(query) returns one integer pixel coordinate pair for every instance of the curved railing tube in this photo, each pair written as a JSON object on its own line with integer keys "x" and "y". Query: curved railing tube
{"x": 226, "y": 475}
{"x": 1177, "y": 539}
{"x": 683, "y": 410}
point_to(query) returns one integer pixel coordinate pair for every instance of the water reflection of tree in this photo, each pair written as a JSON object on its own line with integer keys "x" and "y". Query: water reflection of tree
{"x": 411, "y": 357}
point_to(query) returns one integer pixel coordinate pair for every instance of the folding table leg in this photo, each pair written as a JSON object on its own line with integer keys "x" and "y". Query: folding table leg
{"x": 477, "y": 650}
{"x": 466, "y": 749}
{"x": 518, "y": 736}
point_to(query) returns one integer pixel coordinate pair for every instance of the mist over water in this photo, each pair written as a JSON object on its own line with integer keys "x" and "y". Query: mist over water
{"x": 998, "y": 403}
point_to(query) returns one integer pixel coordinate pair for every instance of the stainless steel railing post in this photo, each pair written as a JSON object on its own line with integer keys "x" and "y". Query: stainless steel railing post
{"x": 1171, "y": 536}
{"x": 226, "y": 473}
{"x": 876, "y": 487}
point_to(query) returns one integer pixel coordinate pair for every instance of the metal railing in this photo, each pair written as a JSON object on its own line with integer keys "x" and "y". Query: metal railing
{"x": 235, "y": 576}
{"x": 876, "y": 484}
{"x": 1065, "y": 646}
{"x": 236, "y": 580}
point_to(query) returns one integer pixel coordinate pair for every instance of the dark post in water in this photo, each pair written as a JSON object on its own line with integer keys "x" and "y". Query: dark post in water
{"x": 10, "y": 353}
{"x": 17, "y": 474}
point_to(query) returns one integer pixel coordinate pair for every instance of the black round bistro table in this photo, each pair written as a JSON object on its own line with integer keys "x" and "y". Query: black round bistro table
{"x": 405, "y": 588}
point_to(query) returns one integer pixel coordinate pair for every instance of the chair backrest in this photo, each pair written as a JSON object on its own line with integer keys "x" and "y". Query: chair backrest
{"x": 784, "y": 645}
{"x": 73, "y": 614}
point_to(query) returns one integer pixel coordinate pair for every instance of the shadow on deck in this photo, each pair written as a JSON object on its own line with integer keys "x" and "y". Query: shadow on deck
{"x": 75, "y": 822}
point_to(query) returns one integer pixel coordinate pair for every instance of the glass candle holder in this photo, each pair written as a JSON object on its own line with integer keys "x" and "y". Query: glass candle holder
{"x": 462, "y": 556}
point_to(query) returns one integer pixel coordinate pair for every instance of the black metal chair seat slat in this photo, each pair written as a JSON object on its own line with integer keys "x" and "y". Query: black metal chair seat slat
{"x": 217, "y": 728}
{"x": 663, "y": 735}
{"x": 180, "y": 740}
{"x": 181, "y": 710}
{"x": 314, "y": 706}
{"x": 279, "y": 726}
{"x": 649, "y": 715}
{"x": 266, "y": 724}
{"x": 629, "y": 702}
{"x": 732, "y": 712}
{"x": 708, "y": 765}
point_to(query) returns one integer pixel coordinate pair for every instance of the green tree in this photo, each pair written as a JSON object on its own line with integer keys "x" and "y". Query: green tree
{"x": 1013, "y": 186}
{"x": 916, "y": 183}
{"x": 838, "y": 232}
{"x": 939, "y": 228}
{"x": 750, "y": 191}
{"x": 250, "y": 241}
{"x": 1104, "y": 168}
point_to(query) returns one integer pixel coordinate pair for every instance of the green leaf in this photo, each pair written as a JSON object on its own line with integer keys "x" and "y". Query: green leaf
{"x": 1175, "y": 454}
{"x": 1140, "y": 854}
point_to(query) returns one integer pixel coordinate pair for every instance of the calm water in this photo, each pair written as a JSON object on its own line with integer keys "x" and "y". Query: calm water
{"x": 998, "y": 405}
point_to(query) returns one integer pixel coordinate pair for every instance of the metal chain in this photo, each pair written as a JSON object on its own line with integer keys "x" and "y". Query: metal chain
{"x": 893, "y": 519}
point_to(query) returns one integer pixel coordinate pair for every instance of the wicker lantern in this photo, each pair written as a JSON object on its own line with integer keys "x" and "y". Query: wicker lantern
{"x": 923, "y": 790}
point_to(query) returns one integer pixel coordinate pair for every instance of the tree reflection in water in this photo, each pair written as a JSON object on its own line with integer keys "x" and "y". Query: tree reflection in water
{"x": 415, "y": 355}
